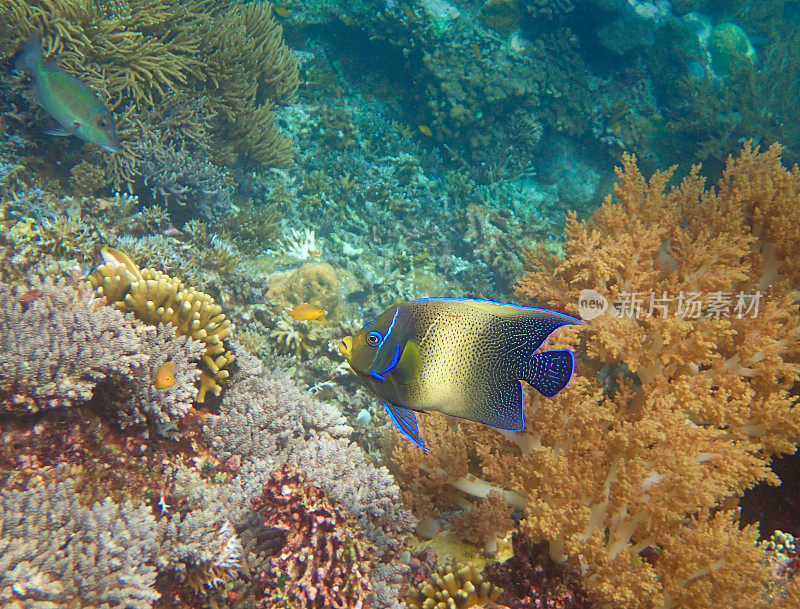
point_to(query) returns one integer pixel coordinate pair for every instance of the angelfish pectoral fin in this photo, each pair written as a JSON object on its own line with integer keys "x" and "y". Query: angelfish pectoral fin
{"x": 406, "y": 422}
{"x": 550, "y": 371}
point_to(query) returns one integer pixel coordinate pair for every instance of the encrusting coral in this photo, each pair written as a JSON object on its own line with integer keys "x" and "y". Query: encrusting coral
{"x": 155, "y": 297}
{"x": 325, "y": 562}
{"x": 675, "y": 408}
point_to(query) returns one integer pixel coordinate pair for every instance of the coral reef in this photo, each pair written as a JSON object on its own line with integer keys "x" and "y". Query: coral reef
{"x": 456, "y": 586}
{"x": 671, "y": 413}
{"x": 530, "y": 579}
{"x": 59, "y": 345}
{"x": 58, "y": 553}
{"x": 324, "y": 561}
{"x": 265, "y": 417}
{"x": 66, "y": 348}
{"x": 155, "y": 297}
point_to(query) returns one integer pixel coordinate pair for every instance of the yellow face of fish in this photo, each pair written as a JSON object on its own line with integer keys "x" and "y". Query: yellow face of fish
{"x": 366, "y": 350}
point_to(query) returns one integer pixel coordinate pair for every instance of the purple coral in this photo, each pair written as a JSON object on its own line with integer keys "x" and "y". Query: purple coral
{"x": 531, "y": 580}
{"x": 325, "y": 563}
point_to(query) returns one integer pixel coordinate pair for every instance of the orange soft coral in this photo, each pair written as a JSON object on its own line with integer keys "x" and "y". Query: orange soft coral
{"x": 670, "y": 415}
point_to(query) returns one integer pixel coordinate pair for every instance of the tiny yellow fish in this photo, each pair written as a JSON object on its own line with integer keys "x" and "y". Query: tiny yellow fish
{"x": 282, "y": 11}
{"x": 306, "y": 312}
{"x": 459, "y": 356}
{"x": 425, "y": 130}
{"x": 164, "y": 376}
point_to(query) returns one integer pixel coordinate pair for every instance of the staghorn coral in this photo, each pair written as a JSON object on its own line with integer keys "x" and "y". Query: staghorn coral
{"x": 57, "y": 551}
{"x": 139, "y": 399}
{"x": 54, "y": 552}
{"x": 456, "y": 586}
{"x": 154, "y": 297}
{"x": 65, "y": 348}
{"x": 58, "y": 345}
{"x": 325, "y": 562}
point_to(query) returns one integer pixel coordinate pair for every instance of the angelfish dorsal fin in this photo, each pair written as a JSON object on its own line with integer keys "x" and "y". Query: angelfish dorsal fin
{"x": 408, "y": 366}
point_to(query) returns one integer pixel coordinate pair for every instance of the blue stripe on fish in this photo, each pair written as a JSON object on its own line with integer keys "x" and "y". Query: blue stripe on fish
{"x": 392, "y": 365}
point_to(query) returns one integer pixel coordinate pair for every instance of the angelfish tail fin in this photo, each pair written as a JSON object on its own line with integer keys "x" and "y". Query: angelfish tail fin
{"x": 550, "y": 371}
{"x": 29, "y": 58}
{"x": 406, "y": 422}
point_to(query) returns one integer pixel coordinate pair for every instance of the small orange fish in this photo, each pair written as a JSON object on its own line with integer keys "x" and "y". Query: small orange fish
{"x": 164, "y": 376}
{"x": 306, "y": 312}
{"x": 282, "y": 12}
{"x": 425, "y": 130}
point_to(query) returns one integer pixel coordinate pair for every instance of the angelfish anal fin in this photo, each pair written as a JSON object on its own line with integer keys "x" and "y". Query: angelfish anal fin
{"x": 549, "y": 371}
{"x": 409, "y": 365}
{"x": 406, "y": 422}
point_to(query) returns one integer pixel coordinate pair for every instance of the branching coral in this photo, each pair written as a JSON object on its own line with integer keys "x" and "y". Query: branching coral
{"x": 135, "y": 53}
{"x": 671, "y": 413}
{"x": 157, "y": 298}
{"x": 58, "y": 345}
{"x": 54, "y": 552}
{"x": 135, "y": 48}
{"x": 325, "y": 562}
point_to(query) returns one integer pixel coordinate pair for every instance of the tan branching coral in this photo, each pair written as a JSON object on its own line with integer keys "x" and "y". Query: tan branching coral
{"x": 155, "y": 297}
{"x": 673, "y": 412}
{"x": 134, "y": 53}
{"x": 136, "y": 48}
{"x": 456, "y": 586}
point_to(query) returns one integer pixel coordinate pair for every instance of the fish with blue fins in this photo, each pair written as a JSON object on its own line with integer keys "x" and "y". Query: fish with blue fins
{"x": 459, "y": 356}
{"x": 72, "y": 104}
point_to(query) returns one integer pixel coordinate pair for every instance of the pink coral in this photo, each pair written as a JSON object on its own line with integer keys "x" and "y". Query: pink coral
{"x": 325, "y": 562}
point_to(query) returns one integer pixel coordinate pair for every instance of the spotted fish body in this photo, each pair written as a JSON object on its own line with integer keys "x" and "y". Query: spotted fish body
{"x": 461, "y": 357}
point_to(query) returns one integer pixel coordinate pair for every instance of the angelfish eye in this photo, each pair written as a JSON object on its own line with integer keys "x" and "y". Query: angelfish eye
{"x": 374, "y": 338}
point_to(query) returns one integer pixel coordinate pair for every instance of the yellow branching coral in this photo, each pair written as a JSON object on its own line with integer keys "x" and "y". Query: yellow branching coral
{"x": 456, "y": 586}
{"x": 155, "y": 297}
{"x": 674, "y": 411}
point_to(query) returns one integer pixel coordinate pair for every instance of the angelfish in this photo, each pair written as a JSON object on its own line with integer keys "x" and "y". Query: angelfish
{"x": 459, "y": 356}
{"x": 77, "y": 110}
